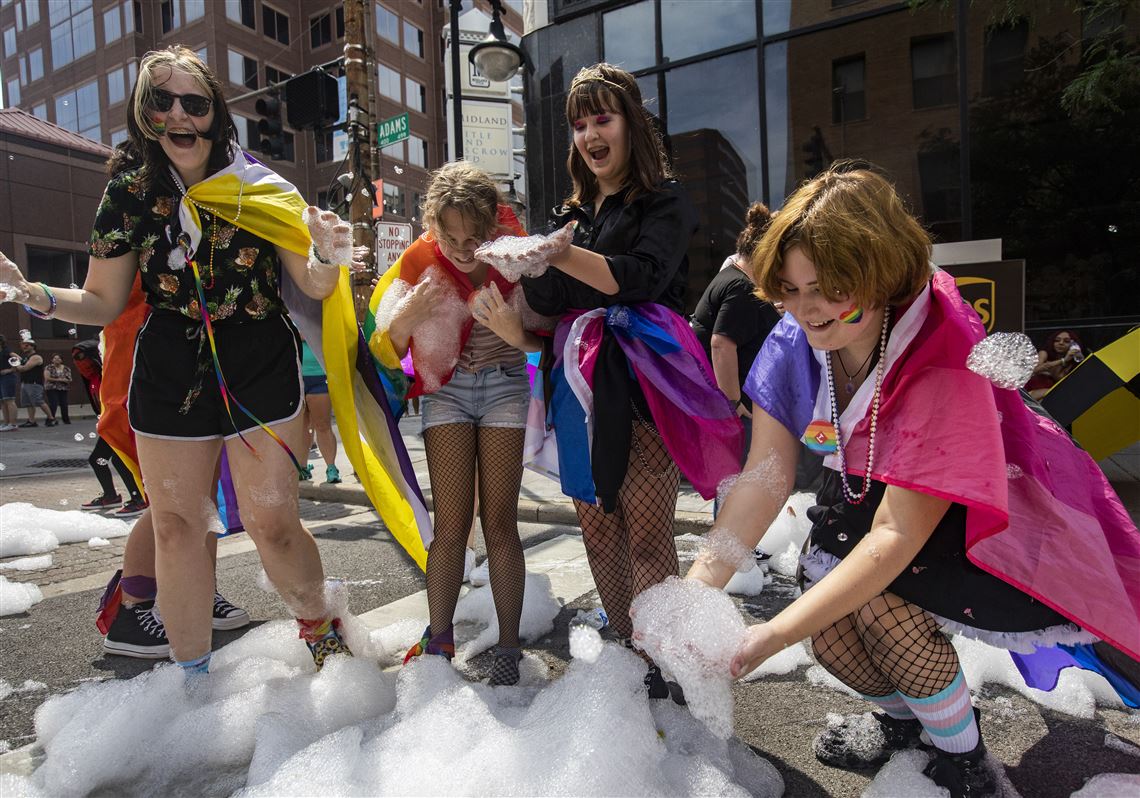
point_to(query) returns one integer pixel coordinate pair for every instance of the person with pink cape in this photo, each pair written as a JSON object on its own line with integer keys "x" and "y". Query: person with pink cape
{"x": 948, "y": 504}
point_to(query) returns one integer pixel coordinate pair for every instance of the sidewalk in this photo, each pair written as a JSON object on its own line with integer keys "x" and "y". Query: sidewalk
{"x": 541, "y": 498}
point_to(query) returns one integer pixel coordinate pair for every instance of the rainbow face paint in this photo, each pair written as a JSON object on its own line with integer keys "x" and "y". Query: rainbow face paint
{"x": 159, "y": 126}
{"x": 853, "y": 315}
{"x": 820, "y": 437}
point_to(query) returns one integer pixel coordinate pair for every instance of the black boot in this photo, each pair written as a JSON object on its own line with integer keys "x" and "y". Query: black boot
{"x": 859, "y": 742}
{"x": 964, "y": 775}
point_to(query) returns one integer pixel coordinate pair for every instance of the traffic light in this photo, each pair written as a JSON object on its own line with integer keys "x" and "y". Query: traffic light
{"x": 312, "y": 100}
{"x": 269, "y": 131}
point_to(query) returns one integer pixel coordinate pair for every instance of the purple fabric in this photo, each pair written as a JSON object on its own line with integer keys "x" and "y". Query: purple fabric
{"x": 783, "y": 380}
{"x": 144, "y": 587}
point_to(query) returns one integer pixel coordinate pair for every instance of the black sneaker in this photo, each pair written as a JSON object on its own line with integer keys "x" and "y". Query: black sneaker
{"x": 505, "y": 668}
{"x": 860, "y": 742}
{"x": 227, "y": 616}
{"x": 964, "y": 775}
{"x": 138, "y": 632}
{"x": 132, "y": 509}
{"x": 103, "y": 503}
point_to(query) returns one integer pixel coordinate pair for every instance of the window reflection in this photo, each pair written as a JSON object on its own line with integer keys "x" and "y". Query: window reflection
{"x": 628, "y": 34}
{"x": 717, "y": 24}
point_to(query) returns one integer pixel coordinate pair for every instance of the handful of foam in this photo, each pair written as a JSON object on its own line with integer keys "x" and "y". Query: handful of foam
{"x": 692, "y": 631}
{"x": 515, "y": 257}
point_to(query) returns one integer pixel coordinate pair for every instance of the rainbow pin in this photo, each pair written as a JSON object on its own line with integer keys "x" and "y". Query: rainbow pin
{"x": 852, "y": 315}
{"x": 820, "y": 437}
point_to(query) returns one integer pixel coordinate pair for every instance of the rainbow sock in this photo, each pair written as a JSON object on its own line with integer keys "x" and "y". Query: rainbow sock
{"x": 893, "y": 704}
{"x": 948, "y": 717}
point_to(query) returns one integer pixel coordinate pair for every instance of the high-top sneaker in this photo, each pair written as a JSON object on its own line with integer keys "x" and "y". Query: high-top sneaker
{"x": 443, "y": 645}
{"x": 505, "y": 668}
{"x": 227, "y": 616}
{"x": 858, "y": 742}
{"x": 323, "y": 639}
{"x": 964, "y": 775}
{"x": 138, "y": 632}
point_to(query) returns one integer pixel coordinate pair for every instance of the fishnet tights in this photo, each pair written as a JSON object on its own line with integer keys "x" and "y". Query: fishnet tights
{"x": 888, "y": 644}
{"x": 632, "y": 548}
{"x": 453, "y": 453}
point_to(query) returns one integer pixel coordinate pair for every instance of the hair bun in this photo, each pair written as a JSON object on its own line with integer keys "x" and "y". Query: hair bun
{"x": 758, "y": 214}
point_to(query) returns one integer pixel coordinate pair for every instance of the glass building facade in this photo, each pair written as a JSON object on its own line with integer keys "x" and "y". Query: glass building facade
{"x": 754, "y": 96}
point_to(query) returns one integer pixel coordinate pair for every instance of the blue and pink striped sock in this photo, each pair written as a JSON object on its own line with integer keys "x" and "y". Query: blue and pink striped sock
{"x": 948, "y": 717}
{"x": 893, "y": 704}
{"x": 195, "y": 667}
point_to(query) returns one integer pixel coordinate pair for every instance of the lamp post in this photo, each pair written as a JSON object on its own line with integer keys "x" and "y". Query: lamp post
{"x": 496, "y": 57}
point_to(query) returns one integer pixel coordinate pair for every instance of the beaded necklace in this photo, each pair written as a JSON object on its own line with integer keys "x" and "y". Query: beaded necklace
{"x": 214, "y": 226}
{"x": 880, "y": 369}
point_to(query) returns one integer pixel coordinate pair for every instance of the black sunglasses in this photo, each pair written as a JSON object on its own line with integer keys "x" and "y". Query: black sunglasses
{"x": 193, "y": 104}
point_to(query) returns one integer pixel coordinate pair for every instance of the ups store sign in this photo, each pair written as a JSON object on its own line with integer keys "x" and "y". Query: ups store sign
{"x": 996, "y": 292}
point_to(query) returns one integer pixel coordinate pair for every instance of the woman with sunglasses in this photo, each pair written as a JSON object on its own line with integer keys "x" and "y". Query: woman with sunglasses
{"x": 215, "y": 238}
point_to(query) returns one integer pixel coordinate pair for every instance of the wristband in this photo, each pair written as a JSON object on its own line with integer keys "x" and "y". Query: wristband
{"x": 50, "y": 312}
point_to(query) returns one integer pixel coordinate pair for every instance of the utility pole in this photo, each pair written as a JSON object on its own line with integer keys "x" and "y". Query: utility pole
{"x": 361, "y": 127}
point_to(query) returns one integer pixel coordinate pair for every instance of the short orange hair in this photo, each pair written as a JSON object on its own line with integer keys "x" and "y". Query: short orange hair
{"x": 851, "y": 223}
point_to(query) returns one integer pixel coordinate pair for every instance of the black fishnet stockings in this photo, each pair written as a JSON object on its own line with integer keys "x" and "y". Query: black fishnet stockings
{"x": 453, "y": 453}
{"x": 632, "y": 548}
{"x": 888, "y": 644}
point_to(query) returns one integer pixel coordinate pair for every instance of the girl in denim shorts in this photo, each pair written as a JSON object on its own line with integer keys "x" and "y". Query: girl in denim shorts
{"x": 468, "y": 332}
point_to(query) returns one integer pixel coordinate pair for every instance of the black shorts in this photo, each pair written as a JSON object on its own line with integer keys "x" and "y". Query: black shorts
{"x": 171, "y": 396}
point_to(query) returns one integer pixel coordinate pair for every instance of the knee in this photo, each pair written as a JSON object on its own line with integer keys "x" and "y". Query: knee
{"x": 173, "y": 528}
{"x": 278, "y": 530}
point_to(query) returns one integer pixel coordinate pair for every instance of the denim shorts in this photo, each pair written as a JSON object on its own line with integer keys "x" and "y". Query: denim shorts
{"x": 9, "y": 383}
{"x": 32, "y": 394}
{"x": 493, "y": 397}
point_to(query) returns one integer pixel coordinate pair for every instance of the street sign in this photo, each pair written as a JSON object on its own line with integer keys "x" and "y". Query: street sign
{"x": 392, "y": 238}
{"x": 392, "y": 130}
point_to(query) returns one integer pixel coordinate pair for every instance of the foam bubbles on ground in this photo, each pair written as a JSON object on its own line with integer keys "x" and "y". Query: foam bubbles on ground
{"x": 790, "y": 659}
{"x": 692, "y": 631}
{"x": 585, "y": 643}
{"x": 96, "y": 543}
{"x": 1005, "y": 359}
{"x": 28, "y": 563}
{"x": 1106, "y": 784}
{"x": 26, "y": 529}
{"x": 18, "y": 597}
{"x": 264, "y": 724}
{"x": 902, "y": 775}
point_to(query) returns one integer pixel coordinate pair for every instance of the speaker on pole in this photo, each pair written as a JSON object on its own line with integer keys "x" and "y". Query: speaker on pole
{"x": 312, "y": 100}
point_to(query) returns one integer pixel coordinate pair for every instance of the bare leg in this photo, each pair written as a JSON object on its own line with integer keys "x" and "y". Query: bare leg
{"x": 179, "y": 481}
{"x": 320, "y": 416}
{"x": 266, "y": 487}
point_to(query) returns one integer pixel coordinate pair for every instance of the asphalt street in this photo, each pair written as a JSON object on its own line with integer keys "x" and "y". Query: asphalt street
{"x": 1045, "y": 753}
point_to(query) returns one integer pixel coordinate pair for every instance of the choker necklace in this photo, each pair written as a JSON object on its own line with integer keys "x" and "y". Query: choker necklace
{"x": 848, "y": 493}
{"x": 849, "y": 387}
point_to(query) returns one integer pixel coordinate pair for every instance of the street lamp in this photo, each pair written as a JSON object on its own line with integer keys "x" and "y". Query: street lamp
{"x": 495, "y": 56}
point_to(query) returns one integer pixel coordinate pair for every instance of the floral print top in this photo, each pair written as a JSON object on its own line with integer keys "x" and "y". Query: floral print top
{"x": 240, "y": 272}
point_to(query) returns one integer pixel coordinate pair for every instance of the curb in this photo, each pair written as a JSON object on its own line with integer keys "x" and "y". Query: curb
{"x": 530, "y": 511}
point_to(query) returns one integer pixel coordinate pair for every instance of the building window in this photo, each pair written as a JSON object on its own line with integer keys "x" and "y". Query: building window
{"x": 39, "y": 110}
{"x": 389, "y": 82}
{"x": 194, "y": 9}
{"x": 115, "y": 86}
{"x": 242, "y": 126}
{"x": 631, "y": 52}
{"x": 274, "y": 24}
{"x": 1004, "y": 59}
{"x": 243, "y": 70}
{"x": 12, "y": 96}
{"x": 118, "y": 136}
{"x": 36, "y": 63}
{"x": 32, "y": 12}
{"x": 393, "y": 151}
{"x": 72, "y": 30}
{"x": 719, "y": 23}
{"x": 323, "y": 200}
{"x": 413, "y": 39}
{"x": 275, "y": 75}
{"x": 321, "y": 28}
{"x": 289, "y": 153}
{"x": 393, "y": 200}
{"x": 934, "y": 70}
{"x": 171, "y": 15}
{"x": 941, "y": 194}
{"x": 417, "y": 95}
{"x": 417, "y": 152}
{"x": 387, "y": 24}
{"x": 9, "y": 42}
{"x": 112, "y": 25}
{"x": 848, "y": 101}
{"x": 241, "y": 11}
{"x": 324, "y": 141}
{"x": 57, "y": 267}
{"x": 78, "y": 110}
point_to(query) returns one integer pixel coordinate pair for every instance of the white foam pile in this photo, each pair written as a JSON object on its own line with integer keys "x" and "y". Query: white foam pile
{"x": 27, "y": 529}
{"x": 264, "y": 724}
{"x": 1105, "y": 785}
{"x": 29, "y": 686}
{"x": 525, "y": 256}
{"x": 692, "y": 632}
{"x": 478, "y": 607}
{"x": 786, "y": 661}
{"x": 1005, "y": 359}
{"x": 18, "y": 597}
{"x": 28, "y": 564}
{"x": 786, "y": 535}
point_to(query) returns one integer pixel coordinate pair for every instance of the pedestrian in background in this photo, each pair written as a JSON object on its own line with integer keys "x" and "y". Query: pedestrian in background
{"x": 31, "y": 371}
{"x": 57, "y": 385}
{"x": 1060, "y": 355}
{"x": 9, "y": 386}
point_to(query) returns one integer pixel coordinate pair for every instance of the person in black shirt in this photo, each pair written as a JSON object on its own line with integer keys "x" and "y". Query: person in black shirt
{"x": 620, "y": 439}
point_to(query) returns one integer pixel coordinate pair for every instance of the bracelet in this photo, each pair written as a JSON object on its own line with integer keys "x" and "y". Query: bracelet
{"x": 50, "y": 312}
{"x": 738, "y": 403}
{"x": 318, "y": 258}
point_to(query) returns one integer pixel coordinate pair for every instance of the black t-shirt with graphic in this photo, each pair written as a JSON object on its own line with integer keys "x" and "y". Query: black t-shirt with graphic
{"x": 240, "y": 272}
